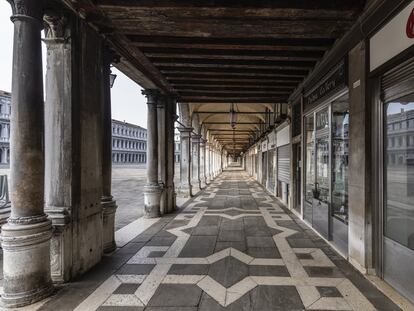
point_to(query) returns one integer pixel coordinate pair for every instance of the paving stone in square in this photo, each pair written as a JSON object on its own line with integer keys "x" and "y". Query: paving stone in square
{"x": 135, "y": 269}
{"x": 123, "y": 308}
{"x": 268, "y": 271}
{"x": 272, "y": 298}
{"x": 156, "y": 254}
{"x": 176, "y": 295}
{"x": 227, "y": 224}
{"x": 328, "y": 291}
{"x": 206, "y": 230}
{"x": 240, "y": 246}
{"x": 189, "y": 269}
{"x": 260, "y": 241}
{"x": 231, "y": 236}
{"x": 126, "y": 289}
{"x": 228, "y": 271}
{"x": 209, "y": 304}
{"x": 161, "y": 241}
{"x": 304, "y": 256}
{"x": 263, "y": 252}
{"x": 199, "y": 246}
{"x": 327, "y": 272}
{"x": 301, "y": 243}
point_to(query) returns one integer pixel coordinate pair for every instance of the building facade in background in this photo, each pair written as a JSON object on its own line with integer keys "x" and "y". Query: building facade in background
{"x": 5, "y": 109}
{"x": 177, "y": 147}
{"x": 129, "y": 143}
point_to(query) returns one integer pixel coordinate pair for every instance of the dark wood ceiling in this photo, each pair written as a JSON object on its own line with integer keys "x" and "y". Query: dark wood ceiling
{"x": 208, "y": 51}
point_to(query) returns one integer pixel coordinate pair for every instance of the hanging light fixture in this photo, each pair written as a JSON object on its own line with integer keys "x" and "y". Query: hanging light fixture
{"x": 233, "y": 117}
{"x": 112, "y": 78}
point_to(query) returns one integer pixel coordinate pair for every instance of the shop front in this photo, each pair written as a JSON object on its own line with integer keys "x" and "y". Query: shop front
{"x": 326, "y": 153}
{"x": 283, "y": 162}
{"x": 271, "y": 154}
{"x": 392, "y": 78}
{"x": 264, "y": 174}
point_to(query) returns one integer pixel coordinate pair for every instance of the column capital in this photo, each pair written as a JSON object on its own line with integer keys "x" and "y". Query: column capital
{"x": 196, "y": 138}
{"x": 152, "y": 96}
{"x": 55, "y": 30}
{"x": 27, "y": 9}
{"x": 185, "y": 129}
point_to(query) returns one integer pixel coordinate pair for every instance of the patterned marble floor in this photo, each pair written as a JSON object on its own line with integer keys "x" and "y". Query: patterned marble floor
{"x": 233, "y": 247}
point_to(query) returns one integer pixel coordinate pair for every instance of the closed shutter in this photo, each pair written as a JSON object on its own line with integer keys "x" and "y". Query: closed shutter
{"x": 283, "y": 163}
{"x": 398, "y": 82}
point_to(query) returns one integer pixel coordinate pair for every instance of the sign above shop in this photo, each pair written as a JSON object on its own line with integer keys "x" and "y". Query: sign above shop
{"x": 264, "y": 146}
{"x": 272, "y": 140}
{"x": 396, "y": 36}
{"x": 335, "y": 80}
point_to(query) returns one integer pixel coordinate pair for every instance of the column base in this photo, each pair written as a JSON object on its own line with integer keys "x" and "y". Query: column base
{"x": 108, "y": 213}
{"x": 152, "y": 198}
{"x": 26, "y": 260}
{"x": 184, "y": 191}
{"x": 196, "y": 186}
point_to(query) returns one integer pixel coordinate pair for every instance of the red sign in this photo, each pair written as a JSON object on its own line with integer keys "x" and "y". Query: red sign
{"x": 410, "y": 25}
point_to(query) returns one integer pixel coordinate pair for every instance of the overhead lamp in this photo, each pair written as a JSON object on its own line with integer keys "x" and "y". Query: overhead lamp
{"x": 112, "y": 78}
{"x": 233, "y": 117}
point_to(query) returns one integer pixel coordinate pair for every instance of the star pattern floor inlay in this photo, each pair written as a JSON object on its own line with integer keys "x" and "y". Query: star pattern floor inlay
{"x": 241, "y": 251}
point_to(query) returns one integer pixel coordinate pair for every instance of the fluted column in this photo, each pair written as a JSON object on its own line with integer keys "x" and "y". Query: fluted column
{"x": 107, "y": 201}
{"x": 185, "y": 189}
{"x": 26, "y": 236}
{"x": 196, "y": 181}
{"x": 152, "y": 190}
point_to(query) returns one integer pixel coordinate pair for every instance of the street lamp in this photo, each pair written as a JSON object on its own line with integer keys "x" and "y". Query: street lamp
{"x": 112, "y": 78}
{"x": 233, "y": 117}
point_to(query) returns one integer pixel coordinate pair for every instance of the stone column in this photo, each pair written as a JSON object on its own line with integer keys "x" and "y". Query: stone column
{"x": 195, "y": 142}
{"x": 207, "y": 162}
{"x": 170, "y": 120}
{"x": 4, "y": 155}
{"x": 58, "y": 144}
{"x": 185, "y": 174}
{"x": 162, "y": 151}
{"x": 26, "y": 236}
{"x": 202, "y": 163}
{"x": 152, "y": 190}
{"x": 107, "y": 201}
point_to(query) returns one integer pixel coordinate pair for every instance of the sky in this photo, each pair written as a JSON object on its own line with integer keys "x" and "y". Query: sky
{"x": 128, "y": 104}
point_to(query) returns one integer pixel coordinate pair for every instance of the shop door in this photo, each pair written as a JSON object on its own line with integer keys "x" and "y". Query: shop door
{"x": 298, "y": 170}
{"x": 398, "y": 207}
{"x": 264, "y": 168}
{"x": 320, "y": 202}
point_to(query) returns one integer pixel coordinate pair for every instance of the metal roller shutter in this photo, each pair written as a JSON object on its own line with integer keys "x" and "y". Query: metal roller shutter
{"x": 283, "y": 163}
{"x": 398, "y": 82}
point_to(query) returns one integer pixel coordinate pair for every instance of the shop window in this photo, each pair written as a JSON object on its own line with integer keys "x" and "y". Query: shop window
{"x": 399, "y": 180}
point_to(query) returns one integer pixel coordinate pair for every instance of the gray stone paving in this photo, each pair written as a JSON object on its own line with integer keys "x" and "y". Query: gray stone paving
{"x": 222, "y": 253}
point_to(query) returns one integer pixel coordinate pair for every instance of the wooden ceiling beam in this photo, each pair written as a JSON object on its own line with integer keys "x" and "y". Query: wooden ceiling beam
{"x": 233, "y": 89}
{"x": 230, "y": 64}
{"x": 250, "y": 55}
{"x": 189, "y": 79}
{"x": 221, "y": 71}
{"x": 214, "y": 5}
{"x": 232, "y": 93}
{"x": 260, "y": 84}
{"x": 232, "y": 27}
{"x": 244, "y": 100}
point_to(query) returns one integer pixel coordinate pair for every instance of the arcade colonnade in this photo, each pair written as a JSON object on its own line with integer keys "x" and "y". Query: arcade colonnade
{"x": 62, "y": 214}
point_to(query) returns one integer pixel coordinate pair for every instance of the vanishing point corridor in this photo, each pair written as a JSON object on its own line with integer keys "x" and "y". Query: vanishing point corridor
{"x": 232, "y": 247}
